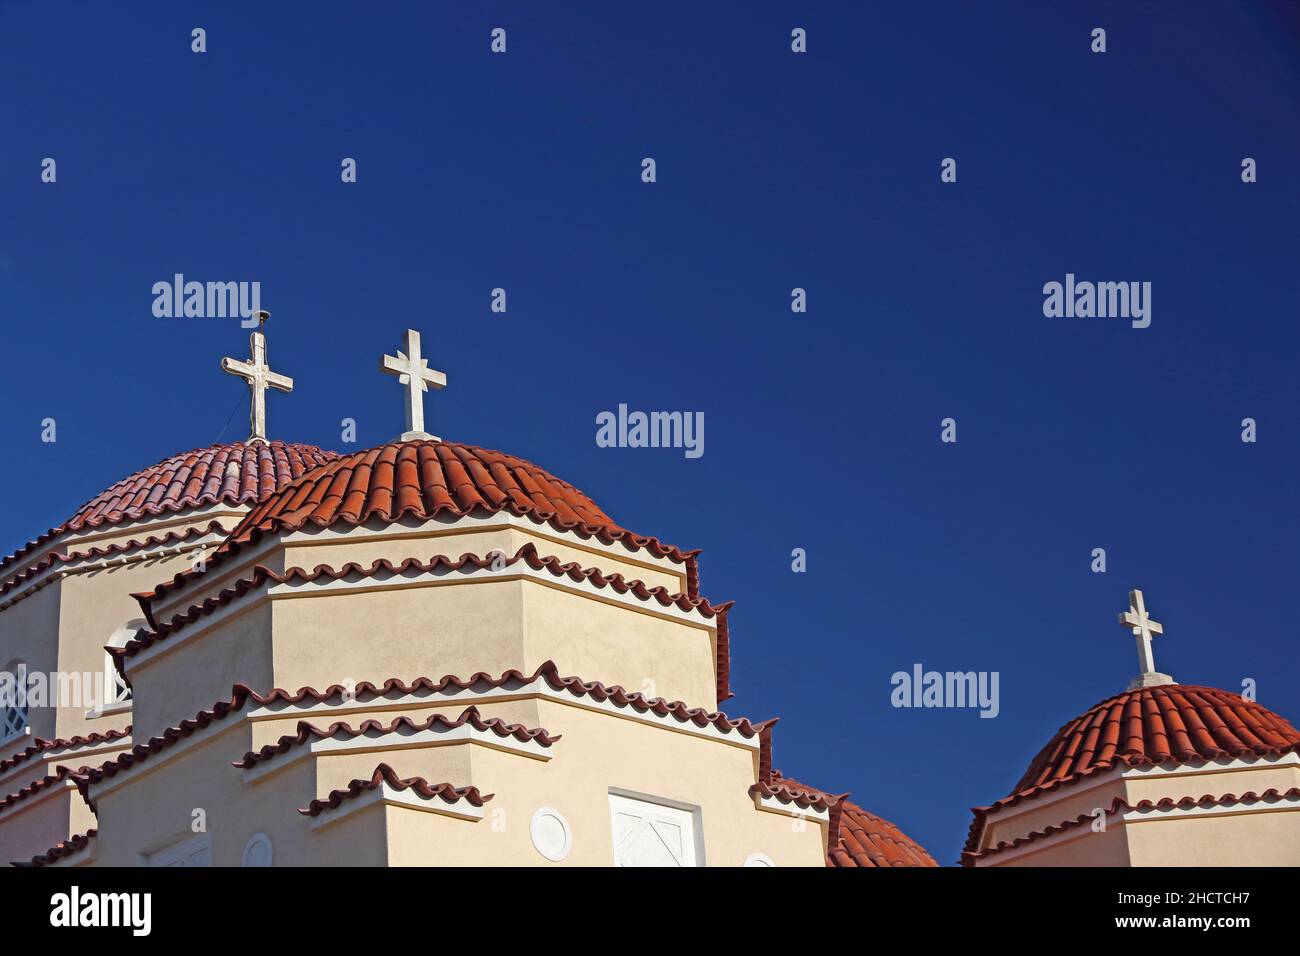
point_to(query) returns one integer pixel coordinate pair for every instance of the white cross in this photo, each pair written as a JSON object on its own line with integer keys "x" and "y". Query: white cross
{"x": 1139, "y": 621}
{"x": 259, "y": 377}
{"x": 412, "y": 370}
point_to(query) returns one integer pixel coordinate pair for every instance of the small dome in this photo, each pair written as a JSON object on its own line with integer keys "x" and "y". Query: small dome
{"x": 1168, "y": 724}
{"x": 869, "y": 840}
{"x": 235, "y": 473}
{"x": 862, "y": 838}
{"x": 1155, "y": 725}
{"x": 425, "y": 479}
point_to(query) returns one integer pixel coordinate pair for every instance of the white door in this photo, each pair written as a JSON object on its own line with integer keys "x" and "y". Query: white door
{"x": 651, "y": 834}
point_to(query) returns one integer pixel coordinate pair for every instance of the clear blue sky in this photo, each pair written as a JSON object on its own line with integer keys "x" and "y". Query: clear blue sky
{"x": 774, "y": 171}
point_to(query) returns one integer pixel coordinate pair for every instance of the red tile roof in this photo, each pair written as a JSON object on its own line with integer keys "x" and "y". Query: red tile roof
{"x": 260, "y": 574}
{"x": 787, "y": 791}
{"x": 41, "y": 745}
{"x": 385, "y": 774}
{"x": 66, "y": 848}
{"x": 30, "y": 572}
{"x": 235, "y": 473}
{"x": 342, "y": 730}
{"x": 869, "y": 840}
{"x": 859, "y": 838}
{"x": 1155, "y": 725}
{"x": 427, "y": 479}
{"x": 60, "y": 774}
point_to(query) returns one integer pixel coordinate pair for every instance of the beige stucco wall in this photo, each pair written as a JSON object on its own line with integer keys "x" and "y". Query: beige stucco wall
{"x": 1263, "y": 835}
{"x": 1212, "y": 779}
{"x": 63, "y": 626}
{"x": 1260, "y": 837}
{"x": 598, "y": 752}
{"x": 96, "y": 604}
{"x": 1088, "y": 848}
{"x": 1042, "y": 812}
{"x": 187, "y": 679}
{"x": 459, "y": 626}
{"x": 612, "y": 644}
{"x": 156, "y": 808}
{"x": 464, "y": 626}
{"x": 39, "y": 822}
{"x": 29, "y": 632}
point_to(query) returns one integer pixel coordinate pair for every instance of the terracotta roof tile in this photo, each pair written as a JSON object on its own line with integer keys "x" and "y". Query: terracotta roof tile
{"x": 385, "y": 774}
{"x": 341, "y": 730}
{"x": 428, "y": 479}
{"x": 41, "y": 745}
{"x": 59, "y": 775}
{"x": 235, "y": 473}
{"x": 1155, "y": 725}
{"x": 788, "y": 791}
{"x": 860, "y": 838}
{"x": 97, "y": 553}
{"x": 869, "y": 840}
{"x": 518, "y": 680}
{"x": 66, "y": 848}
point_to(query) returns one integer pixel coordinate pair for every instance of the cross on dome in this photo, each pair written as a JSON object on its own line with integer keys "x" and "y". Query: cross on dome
{"x": 259, "y": 377}
{"x": 412, "y": 371}
{"x": 1139, "y": 621}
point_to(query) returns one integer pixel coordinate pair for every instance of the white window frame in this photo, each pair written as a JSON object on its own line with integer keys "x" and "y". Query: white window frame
{"x": 14, "y": 720}
{"x": 618, "y": 794}
{"x": 117, "y": 695}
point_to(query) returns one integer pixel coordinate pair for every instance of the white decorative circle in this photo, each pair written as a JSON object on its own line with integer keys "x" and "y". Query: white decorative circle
{"x": 758, "y": 859}
{"x": 257, "y": 851}
{"x": 551, "y": 834}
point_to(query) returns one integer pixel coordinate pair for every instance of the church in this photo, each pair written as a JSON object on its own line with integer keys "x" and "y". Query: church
{"x": 424, "y": 653}
{"x": 431, "y": 653}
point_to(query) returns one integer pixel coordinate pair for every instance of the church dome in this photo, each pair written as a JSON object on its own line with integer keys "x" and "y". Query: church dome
{"x": 866, "y": 840}
{"x": 861, "y": 839}
{"x": 234, "y": 473}
{"x": 1170, "y": 723}
{"x": 424, "y": 479}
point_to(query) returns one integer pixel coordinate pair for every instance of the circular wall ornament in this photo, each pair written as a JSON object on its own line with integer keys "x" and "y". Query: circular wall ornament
{"x": 551, "y": 834}
{"x": 257, "y": 851}
{"x": 758, "y": 859}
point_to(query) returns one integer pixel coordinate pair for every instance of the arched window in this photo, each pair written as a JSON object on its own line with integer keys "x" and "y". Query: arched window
{"x": 116, "y": 690}
{"x": 13, "y": 700}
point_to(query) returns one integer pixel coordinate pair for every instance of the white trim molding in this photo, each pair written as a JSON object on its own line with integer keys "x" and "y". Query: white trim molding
{"x": 390, "y": 796}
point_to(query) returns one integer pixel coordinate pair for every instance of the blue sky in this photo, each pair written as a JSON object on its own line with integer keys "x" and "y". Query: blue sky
{"x": 820, "y": 171}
